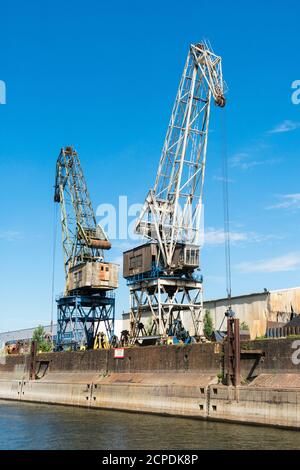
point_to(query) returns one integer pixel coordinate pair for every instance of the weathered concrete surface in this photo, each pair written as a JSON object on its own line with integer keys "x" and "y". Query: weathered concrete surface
{"x": 160, "y": 379}
{"x": 10, "y": 389}
{"x": 201, "y": 358}
{"x": 13, "y": 367}
{"x": 76, "y": 394}
{"x": 277, "y": 357}
{"x": 256, "y": 405}
{"x": 144, "y": 392}
{"x": 167, "y": 380}
{"x": 281, "y": 381}
{"x": 164, "y": 399}
{"x": 176, "y": 358}
{"x": 148, "y": 392}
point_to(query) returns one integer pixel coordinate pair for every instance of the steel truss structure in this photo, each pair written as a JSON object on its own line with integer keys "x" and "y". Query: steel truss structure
{"x": 78, "y": 221}
{"x": 172, "y": 211}
{"x": 168, "y": 300}
{"x": 171, "y": 214}
{"x": 80, "y": 318}
{"x": 80, "y": 315}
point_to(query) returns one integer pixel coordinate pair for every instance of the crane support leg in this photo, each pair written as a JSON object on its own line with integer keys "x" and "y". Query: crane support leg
{"x": 165, "y": 301}
{"x": 81, "y": 318}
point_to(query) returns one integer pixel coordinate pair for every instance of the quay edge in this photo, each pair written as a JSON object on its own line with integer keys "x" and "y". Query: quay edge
{"x": 168, "y": 380}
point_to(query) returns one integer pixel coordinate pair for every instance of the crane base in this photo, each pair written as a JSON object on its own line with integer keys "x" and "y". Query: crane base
{"x": 157, "y": 305}
{"x": 80, "y": 318}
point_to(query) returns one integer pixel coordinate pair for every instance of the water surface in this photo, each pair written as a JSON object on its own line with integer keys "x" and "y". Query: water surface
{"x": 35, "y": 426}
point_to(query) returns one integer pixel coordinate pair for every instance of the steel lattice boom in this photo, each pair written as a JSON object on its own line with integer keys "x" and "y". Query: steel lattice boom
{"x": 88, "y": 300}
{"x": 161, "y": 274}
{"x": 83, "y": 240}
{"x": 172, "y": 210}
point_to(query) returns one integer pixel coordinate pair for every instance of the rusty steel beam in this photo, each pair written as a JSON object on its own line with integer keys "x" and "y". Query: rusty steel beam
{"x": 233, "y": 352}
{"x": 32, "y": 368}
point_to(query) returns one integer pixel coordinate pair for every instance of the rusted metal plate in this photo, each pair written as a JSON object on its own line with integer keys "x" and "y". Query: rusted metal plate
{"x": 233, "y": 352}
{"x": 33, "y": 353}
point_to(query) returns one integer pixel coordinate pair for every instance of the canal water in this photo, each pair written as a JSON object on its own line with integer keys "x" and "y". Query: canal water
{"x": 34, "y": 426}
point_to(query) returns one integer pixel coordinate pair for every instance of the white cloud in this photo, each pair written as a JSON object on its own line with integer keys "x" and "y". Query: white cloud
{"x": 221, "y": 178}
{"x": 10, "y": 235}
{"x": 244, "y": 162}
{"x": 217, "y": 237}
{"x": 239, "y": 159}
{"x": 287, "y": 201}
{"x": 285, "y": 126}
{"x": 288, "y": 262}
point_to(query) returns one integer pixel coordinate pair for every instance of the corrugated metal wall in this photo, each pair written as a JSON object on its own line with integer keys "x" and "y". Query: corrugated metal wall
{"x": 256, "y": 310}
{"x": 284, "y": 303}
{"x": 251, "y": 309}
{"x": 27, "y": 333}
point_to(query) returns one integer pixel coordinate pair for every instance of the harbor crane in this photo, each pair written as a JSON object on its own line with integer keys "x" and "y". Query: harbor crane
{"x": 88, "y": 302}
{"x": 163, "y": 274}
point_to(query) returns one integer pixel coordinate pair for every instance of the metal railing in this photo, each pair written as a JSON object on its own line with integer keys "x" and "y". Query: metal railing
{"x": 283, "y": 331}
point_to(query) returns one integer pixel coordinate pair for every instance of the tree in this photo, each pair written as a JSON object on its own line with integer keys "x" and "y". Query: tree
{"x": 208, "y": 327}
{"x": 43, "y": 344}
{"x": 244, "y": 326}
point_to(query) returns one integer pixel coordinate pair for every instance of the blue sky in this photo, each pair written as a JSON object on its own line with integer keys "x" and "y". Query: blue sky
{"x": 103, "y": 77}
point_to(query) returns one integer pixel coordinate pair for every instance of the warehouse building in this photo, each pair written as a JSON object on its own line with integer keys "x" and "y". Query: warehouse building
{"x": 26, "y": 334}
{"x": 258, "y": 311}
{"x": 22, "y": 335}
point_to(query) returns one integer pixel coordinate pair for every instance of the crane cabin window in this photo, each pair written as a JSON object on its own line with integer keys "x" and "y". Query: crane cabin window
{"x": 191, "y": 256}
{"x": 77, "y": 277}
{"x": 136, "y": 262}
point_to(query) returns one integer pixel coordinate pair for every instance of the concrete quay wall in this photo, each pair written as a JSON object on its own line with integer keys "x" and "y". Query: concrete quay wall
{"x": 179, "y": 381}
{"x": 263, "y": 406}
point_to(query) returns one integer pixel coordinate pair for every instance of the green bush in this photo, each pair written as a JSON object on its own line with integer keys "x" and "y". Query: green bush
{"x": 39, "y": 336}
{"x": 244, "y": 326}
{"x": 208, "y": 327}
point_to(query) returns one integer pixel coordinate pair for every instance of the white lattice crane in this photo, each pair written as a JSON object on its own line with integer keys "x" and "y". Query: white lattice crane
{"x": 161, "y": 274}
{"x": 172, "y": 210}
